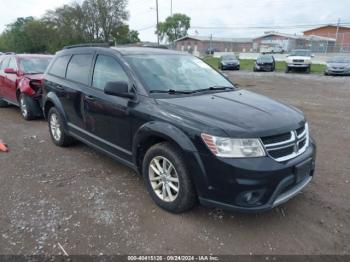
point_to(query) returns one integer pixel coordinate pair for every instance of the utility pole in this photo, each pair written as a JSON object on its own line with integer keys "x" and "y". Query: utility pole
{"x": 157, "y": 21}
{"x": 171, "y": 7}
{"x": 336, "y": 34}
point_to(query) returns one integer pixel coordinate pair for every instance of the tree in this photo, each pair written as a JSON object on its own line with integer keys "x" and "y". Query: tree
{"x": 123, "y": 35}
{"x": 90, "y": 21}
{"x": 174, "y": 27}
{"x": 110, "y": 14}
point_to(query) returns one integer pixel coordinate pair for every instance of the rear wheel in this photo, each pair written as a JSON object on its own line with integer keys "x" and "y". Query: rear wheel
{"x": 57, "y": 132}
{"x": 25, "y": 104}
{"x": 167, "y": 178}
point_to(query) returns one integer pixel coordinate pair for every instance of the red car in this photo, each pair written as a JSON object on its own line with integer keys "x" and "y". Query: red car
{"x": 21, "y": 81}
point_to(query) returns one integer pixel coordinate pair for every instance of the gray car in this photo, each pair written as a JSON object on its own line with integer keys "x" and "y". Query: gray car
{"x": 339, "y": 65}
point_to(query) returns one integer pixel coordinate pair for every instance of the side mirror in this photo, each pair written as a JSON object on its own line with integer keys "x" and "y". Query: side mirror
{"x": 312, "y": 55}
{"x": 10, "y": 71}
{"x": 118, "y": 88}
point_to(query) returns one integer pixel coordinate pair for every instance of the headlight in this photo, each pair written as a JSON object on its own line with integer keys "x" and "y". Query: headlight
{"x": 233, "y": 148}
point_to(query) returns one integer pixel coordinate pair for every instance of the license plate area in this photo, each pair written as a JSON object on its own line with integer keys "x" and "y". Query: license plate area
{"x": 303, "y": 170}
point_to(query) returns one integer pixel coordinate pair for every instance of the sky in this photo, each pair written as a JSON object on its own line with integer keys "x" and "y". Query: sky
{"x": 226, "y": 18}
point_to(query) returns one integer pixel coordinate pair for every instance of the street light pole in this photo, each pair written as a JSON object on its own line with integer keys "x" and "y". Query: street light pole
{"x": 157, "y": 21}
{"x": 171, "y": 7}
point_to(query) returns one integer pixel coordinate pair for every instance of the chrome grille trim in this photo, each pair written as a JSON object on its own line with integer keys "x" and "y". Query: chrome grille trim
{"x": 293, "y": 142}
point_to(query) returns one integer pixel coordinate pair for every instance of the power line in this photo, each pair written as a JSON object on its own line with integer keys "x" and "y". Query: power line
{"x": 146, "y": 27}
{"x": 267, "y": 26}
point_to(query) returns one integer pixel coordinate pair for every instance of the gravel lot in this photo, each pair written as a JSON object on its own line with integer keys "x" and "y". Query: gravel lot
{"x": 89, "y": 204}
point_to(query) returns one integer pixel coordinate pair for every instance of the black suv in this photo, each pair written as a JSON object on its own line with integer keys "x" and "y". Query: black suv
{"x": 181, "y": 124}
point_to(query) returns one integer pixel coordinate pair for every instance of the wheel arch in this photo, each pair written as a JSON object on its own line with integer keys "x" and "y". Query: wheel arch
{"x": 50, "y": 101}
{"x": 153, "y": 133}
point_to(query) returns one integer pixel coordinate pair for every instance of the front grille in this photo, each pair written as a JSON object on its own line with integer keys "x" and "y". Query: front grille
{"x": 286, "y": 146}
{"x": 300, "y": 130}
{"x": 276, "y": 139}
{"x": 282, "y": 152}
{"x": 298, "y": 61}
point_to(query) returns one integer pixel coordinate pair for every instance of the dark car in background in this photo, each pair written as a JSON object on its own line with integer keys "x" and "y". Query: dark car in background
{"x": 229, "y": 62}
{"x": 21, "y": 82}
{"x": 265, "y": 63}
{"x": 181, "y": 124}
{"x": 339, "y": 65}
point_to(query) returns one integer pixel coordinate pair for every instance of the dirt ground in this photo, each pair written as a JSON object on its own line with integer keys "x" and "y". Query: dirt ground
{"x": 89, "y": 204}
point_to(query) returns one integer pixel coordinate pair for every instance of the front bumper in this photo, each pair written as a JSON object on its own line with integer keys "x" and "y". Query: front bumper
{"x": 230, "y": 66}
{"x": 338, "y": 72}
{"x": 299, "y": 65}
{"x": 273, "y": 183}
{"x": 264, "y": 67}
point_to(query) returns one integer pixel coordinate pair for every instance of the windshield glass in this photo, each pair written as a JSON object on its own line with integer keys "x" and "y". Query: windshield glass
{"x": 267, "y": 59}
{"x": 175, "y": 72}
{"x": 339, "y": 60}
{"x": 300, "y": 53}
{"x": 34, "y": 65}
{"x": 228, "y": 58}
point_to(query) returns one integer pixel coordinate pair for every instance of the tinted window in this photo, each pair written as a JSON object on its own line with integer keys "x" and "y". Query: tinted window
{"x": 13, "y": 63}
{"x": 229, "y": 57}
{"x": 107, "y": 69}
{"x": 79, "y": 68}
{"x": 59, "y": 66}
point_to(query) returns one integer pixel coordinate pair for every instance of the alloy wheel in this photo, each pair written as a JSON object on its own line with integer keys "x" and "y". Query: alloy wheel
{"x": 164, "y": 179}
{"x": 55, "y": 127}
{"x": 23, "y": 105}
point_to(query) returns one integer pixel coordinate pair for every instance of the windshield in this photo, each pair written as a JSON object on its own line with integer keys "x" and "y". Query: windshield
{"x": 228, "y": 58}
{"x": 176, "y": 72}
{"x": 265, "y": 59}
{"x": 34, "y": 65}
{"x": 300, "y": 53}
{"x": 339, "y": 60}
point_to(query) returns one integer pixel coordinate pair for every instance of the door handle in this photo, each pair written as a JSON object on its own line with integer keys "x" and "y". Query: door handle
{"x": 59, "y": 87}
{"x": 90, "y": 98}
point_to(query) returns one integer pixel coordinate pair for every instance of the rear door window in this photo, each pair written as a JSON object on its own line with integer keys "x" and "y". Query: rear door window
{"x": 59, "y": 66}
{"x": 79, "y": 68}
{"x": 5, "y": 63}
{"x": 107, "y": 69}
{"x": 13, "y": 63}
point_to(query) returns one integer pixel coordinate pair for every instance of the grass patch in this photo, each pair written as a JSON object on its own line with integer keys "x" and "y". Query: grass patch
{"x": 248, "y": 64}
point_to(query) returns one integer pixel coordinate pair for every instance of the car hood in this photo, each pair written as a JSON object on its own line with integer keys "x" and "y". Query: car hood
{"x": 335, "y": 64}
{"x": 299, "y": 57}
{"x": 238, "y": 113}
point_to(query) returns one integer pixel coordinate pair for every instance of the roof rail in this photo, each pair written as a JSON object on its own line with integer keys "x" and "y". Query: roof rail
{"x": 88, "y": 45}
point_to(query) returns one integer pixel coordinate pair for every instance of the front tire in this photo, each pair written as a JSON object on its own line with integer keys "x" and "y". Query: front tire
{"x": 287, "y": 69}
{"x": 26, "y": 107}
{"x": 57, "y": 132}
{"x": 167, "y": 178}
{"x": 308, "y": 69}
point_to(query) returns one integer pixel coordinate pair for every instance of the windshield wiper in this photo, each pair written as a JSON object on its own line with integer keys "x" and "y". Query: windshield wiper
{"x": 215, "y": 88}
{"x": 171, "y": 91}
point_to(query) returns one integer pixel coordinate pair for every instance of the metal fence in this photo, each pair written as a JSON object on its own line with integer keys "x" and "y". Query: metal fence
{"x": 341, "y": 45}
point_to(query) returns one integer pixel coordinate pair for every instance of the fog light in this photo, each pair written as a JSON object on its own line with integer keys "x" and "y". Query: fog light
{"x": 250, "y": 198}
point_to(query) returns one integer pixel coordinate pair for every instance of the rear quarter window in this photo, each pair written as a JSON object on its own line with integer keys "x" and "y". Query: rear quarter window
{"x": 79, "y": 68}
{"x": 59, "y": 66}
